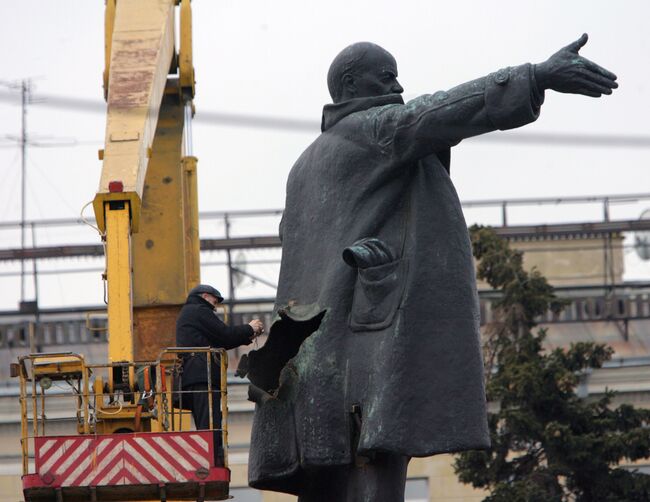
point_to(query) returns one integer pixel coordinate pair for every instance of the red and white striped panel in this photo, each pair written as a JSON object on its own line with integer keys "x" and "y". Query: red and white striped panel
{"x": 121, "y": 459}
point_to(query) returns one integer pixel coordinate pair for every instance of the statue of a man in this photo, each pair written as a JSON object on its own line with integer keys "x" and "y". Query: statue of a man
{"x": 375, "y": 356}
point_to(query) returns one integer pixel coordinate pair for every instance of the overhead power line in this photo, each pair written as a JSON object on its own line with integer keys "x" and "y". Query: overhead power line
{"x": 309, "y": 126}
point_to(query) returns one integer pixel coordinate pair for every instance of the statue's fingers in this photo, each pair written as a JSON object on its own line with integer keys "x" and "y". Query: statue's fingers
{"x": 589, "y": 93}
{"x": 578, "y": 44}
{"x": 586, "y": 92}
{"x": 587, "y": 84}
{"x": 600, "y": 79}
{"x": 598, "y": 69}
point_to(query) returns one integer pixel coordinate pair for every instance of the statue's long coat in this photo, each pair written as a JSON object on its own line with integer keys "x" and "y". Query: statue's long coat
{"x": 398, "y": 342}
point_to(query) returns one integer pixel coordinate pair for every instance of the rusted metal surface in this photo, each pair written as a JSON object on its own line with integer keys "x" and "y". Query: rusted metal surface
{"x": 212, "y": 490}
{"x": 130, "y": 87}
{"x": 154, "y": 328}
{"x": 577, "y": 229}
{"x": 257, "y": 242}
{"x": 69, "y": 251}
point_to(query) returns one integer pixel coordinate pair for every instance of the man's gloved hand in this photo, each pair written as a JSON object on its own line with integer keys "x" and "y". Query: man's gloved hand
{"x": 567, "y": 71}
{"x": 258, "y": 327}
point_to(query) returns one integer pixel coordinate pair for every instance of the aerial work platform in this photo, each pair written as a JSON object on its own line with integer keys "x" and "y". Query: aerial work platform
{"x": 113, "y": 457}
{"x": 132, "y": 438}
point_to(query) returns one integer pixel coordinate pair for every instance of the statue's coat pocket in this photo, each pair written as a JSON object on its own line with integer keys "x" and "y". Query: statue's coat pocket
{"x": 377, "y": 295}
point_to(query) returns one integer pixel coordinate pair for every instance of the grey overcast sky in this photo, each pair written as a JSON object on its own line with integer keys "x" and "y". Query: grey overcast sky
{"x": 271, "y": 58}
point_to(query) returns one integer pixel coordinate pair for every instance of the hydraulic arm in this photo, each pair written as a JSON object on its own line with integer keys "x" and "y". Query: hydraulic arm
{"x": 147, "y": 198}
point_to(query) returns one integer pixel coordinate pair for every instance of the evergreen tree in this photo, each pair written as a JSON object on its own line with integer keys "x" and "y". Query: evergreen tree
{"x": 547, "y": 443}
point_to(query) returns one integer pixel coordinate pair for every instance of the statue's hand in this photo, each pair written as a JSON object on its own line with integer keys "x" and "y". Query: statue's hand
{"x": 567, "y": 71}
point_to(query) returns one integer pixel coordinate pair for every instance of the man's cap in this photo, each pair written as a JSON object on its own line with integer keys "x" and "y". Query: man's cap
{"x": 204, "y": 288}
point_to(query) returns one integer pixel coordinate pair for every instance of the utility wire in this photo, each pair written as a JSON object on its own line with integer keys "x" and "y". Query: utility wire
{"x": 4, "y": 183}
{"x": 45, "y": 178}
{"x": 309, "y": 126}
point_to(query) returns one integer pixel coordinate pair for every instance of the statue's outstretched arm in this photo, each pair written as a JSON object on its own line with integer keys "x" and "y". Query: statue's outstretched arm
{"x": 506, "y": 99}
{"x": 429, "y": 123}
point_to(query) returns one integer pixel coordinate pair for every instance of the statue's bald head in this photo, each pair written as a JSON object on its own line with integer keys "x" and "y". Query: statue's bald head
{"x": 355, "y": 61}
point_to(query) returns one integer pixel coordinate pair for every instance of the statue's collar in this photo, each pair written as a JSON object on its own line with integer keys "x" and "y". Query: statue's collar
{"x": 334, "y": 112}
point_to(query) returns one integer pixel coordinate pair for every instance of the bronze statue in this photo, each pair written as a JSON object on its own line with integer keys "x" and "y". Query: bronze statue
{"x": 375, "y": 355}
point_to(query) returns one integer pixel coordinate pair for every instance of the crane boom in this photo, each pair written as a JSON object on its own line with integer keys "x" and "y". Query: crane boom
{"x": 147, "y": 202}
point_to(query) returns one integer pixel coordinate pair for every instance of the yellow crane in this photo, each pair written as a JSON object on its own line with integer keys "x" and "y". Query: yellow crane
{"x": 131, "y": 442}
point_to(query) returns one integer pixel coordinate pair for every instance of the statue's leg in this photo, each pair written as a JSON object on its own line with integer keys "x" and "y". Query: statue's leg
{"x": 327, "y": 484}
{"x": 380, "y": 480}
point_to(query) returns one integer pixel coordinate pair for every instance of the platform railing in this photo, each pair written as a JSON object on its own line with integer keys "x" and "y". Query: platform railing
{"x": 108, "y": 398}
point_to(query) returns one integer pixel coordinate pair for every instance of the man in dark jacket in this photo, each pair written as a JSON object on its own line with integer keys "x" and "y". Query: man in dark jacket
{"x": 198, "y": 326}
